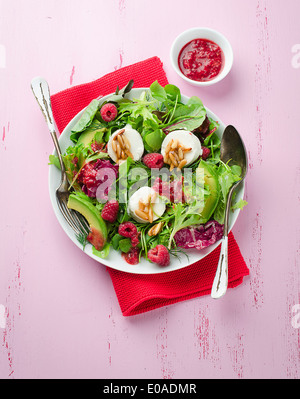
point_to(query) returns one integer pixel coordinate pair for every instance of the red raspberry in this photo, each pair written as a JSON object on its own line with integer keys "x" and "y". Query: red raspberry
{"x": 205, "y": 153}
{"x": 132, "y": 256}
{"x": 108, "y": 112}
{"x": 88, "y": 175}
{"x": 159, "y": 255}
{"x": 97, "y": 146}
{"x": 128, "y": 230}
{"x": 110, "y": 211}
{"x": 154, "y": 160}
{"x": 135, "y": 241}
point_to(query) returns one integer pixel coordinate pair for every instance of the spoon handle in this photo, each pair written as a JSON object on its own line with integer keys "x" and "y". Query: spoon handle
{"x": 220, "y": 283}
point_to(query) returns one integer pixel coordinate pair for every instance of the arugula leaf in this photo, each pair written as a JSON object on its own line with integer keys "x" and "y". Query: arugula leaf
{"x": 139, "y": 107}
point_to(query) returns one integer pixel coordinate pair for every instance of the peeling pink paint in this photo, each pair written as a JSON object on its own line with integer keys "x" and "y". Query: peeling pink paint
{"x": 12, "y": 302}
{"x": 162, "y": 348}
{"x": 121, "y": 53}
{"x": 122, "y": 5}
{"x": 237, "y": 354}
{"x": 206, "y": 341}
{"x": 72, "y": 75}
{"x": 256, "y": 282}
{"x": 262, "y": 75}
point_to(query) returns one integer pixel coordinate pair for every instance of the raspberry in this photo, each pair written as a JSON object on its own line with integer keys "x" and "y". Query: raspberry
{"x": 172, "y": 190}
{"x": 110, "y": 211}
{"x": 159, "y": 255}
{"x": 132, "y": 256}
{"x": 88, "y": 175}
{"x": 154, "y": 160}
{"x": 108, "y": 112}
{"x": 135, "y": 241}
{"x": 97, "y": 146}
{"x": 205, "y": 152}
{"x": 128, "y": 230}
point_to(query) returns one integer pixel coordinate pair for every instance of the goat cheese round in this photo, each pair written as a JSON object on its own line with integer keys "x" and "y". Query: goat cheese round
{"x": 188, "y": 140}
{"x": 135, "y": 143}
{"x": 143, "y": 195}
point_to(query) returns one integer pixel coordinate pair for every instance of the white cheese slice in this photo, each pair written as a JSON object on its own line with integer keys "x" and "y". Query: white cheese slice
{"x": 188, "y": 140}
{"x": 142, "y": 194}
{"x": 135, "y": 140}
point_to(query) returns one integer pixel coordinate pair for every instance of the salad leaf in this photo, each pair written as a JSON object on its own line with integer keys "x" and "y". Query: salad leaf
{"x": 96, "y": 127}
{"x": 53, "y": 160}
{"x": 227, "y": 176}
{"x": 125, "y": 245}
{"x": 199, "y": 236}
{"x": 153, "y": 140}
{"x": 87, "y": 117}
{"x": 185, "y": 216}
{"x": 139, "y": 107}
{"x": 158, "y": 92}
{"x": 239, "y": 204}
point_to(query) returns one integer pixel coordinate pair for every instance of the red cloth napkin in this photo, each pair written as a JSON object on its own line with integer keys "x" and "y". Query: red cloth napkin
{"x": 138, "y": 293}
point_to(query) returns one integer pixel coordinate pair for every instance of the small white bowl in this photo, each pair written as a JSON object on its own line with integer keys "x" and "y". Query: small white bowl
{"x": 202, "y": 33}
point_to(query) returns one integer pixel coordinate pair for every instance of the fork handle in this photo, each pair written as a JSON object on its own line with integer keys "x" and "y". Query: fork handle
{"x": 41, "y": 92}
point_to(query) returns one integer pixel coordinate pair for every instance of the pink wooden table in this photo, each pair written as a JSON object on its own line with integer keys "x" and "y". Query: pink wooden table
{"x": 59, "y": 315}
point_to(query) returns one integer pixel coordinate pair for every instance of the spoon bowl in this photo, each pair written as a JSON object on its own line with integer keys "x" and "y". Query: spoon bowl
{"x": 233, "y": 152}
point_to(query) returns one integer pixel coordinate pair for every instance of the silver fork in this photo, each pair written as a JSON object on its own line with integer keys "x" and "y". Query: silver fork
{"x": 41, "y": 92}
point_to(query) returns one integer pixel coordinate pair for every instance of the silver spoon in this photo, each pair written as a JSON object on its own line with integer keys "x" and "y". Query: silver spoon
{"x": 232, "y": 151}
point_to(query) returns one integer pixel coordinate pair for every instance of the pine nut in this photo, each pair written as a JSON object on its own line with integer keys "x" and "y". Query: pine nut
{"x": 173, "y": 159}
{"x": 155, "y": 229}
{"x": 120, "y": 140}
{"x": 180, "y": 154}
{"x": 126, "y": 142}
{"x": 175, "y": 144}
{"x": 118, "y": 150}
{"x": 141, "y": 214}
{"x": 128, "y": 153}
{"x": 158, "y": 228}
{"x": 141, "y": 206}
{"x": 169, "y": 146}
{"x": 150, "y": 214}
{"x": 114, "y": 145}
{"x": 182, "y": 164}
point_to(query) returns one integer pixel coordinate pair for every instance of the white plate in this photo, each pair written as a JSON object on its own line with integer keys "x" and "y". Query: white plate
{"x": 114, "y": 259}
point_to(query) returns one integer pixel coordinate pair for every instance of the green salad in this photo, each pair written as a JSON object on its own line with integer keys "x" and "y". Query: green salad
{"x": 146, "y": 175}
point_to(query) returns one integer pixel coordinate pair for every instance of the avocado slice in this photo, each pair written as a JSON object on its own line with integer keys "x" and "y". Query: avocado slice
{"x": 211, "y": 181}
{"x": 92, "y": 133}
{"x": 98, "y": 233}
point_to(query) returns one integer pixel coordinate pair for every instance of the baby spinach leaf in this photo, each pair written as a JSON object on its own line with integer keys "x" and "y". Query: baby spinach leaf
{"x": 158, "y": 92}
{"x": 125, "y": 244}
{"x": 87, "y": 117}
{"x": 153, "y": 140}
